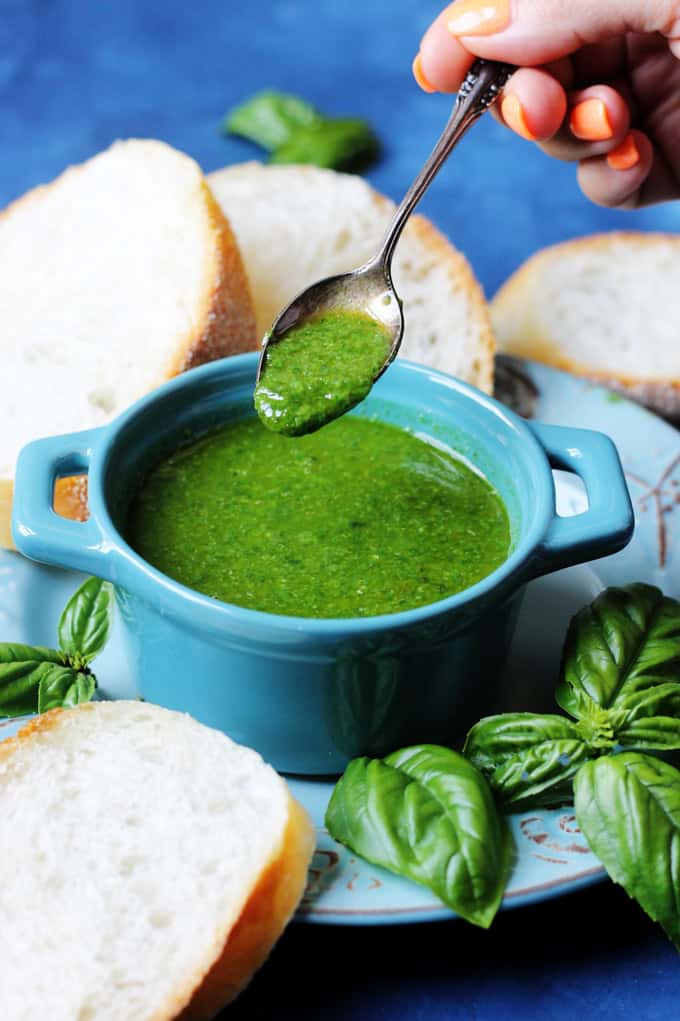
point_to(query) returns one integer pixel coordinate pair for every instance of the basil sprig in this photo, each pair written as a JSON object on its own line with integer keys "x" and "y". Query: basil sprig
{"x": 294, "y": 131}
{"x": 620, "y": 683}
{"x": 35, "y": 679}
{"x": 425, "y": 812}
{"x": 619, "y": 679}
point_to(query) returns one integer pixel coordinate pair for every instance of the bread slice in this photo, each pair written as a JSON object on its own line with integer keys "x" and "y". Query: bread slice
{"x": 606, "y": 307}
{"x": 297, "y": 224}
{"x": 119, "y": 274}
{"x": 149, "y": 865}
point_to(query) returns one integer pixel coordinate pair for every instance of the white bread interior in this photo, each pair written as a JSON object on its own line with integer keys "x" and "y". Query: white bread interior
{"x": 114, "y": 277}
{"x": 150, "y": 864}
{"x": 297, "y": 224}
{"x": 606, "y": 307}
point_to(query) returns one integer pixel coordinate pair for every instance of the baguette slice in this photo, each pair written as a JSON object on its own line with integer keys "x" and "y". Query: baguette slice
{"x": 297, "y": 224}
{"x": 116, "y": 276}
{"x": 149, "y": 865}
{"x": 606, "y": 307}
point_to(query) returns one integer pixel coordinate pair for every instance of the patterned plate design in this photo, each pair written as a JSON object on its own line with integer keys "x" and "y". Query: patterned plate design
{"x": 552, "y": 857}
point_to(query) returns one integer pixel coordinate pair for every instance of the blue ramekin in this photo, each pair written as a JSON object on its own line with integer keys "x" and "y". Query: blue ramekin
{"x": 309, "y": 694}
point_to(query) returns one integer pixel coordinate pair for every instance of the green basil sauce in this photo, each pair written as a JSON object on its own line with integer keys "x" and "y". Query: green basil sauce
{"x": 358, "y": 519}
{"x": 319, "y": 370}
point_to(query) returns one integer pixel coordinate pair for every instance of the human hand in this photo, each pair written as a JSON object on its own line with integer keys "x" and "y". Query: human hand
{"x": 598, "y": 84}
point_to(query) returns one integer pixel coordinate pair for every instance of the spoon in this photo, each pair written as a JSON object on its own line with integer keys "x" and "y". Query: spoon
{"x": 369, "y": 288}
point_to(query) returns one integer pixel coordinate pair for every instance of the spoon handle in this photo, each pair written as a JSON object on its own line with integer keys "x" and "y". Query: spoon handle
{"x": 480, "y": 88}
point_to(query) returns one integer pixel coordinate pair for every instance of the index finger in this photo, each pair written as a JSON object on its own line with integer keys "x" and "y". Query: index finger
{"x": 444, "y": 59}
{"x": 531, "y": 33}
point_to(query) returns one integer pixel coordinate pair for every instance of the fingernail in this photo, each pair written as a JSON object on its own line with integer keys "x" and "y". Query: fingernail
{"x": 477, "y": 17}
{"x": 515, "y": 118}
{"x": 419, "y": 76}
{"x": 624, "y": 156}
{"x": 589, "y": 121}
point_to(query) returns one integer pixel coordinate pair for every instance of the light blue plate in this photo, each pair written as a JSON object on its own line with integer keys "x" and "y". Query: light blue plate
{"x": 552, "y": 857}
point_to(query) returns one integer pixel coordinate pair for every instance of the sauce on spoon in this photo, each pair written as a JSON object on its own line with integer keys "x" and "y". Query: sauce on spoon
{"x": 320, "y": 370}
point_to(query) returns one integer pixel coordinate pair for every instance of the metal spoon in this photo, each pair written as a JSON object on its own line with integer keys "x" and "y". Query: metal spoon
{"x": 369, "y": 288}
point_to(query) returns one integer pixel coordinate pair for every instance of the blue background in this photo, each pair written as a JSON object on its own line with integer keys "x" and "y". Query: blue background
{"x": 76, "y": 75}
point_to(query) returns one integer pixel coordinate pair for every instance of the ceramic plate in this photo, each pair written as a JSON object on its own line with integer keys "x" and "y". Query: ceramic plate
{"x": 551, "y": 856}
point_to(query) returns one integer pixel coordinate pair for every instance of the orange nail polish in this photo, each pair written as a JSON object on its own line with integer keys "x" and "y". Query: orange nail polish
{"x": 624, "y": 156}
{"x": 419, "y": 76}
{"x": 515, "y": 118}
{"x": 589, "y": 121}
{"x": 477, "y": 17}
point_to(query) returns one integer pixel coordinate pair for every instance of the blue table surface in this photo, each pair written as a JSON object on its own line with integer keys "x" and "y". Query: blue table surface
{"x": 74, "y": 76}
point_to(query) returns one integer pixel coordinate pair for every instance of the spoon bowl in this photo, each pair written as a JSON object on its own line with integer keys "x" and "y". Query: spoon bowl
{"x": 367, "y": 289}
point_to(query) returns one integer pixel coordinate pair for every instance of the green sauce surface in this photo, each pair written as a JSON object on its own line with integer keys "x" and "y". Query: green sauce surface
{"x": 319, "y": 370}
{"x": 358, "y": 519}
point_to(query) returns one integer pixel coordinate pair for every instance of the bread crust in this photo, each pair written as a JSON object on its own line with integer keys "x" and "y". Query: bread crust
{"x": 519, "y": 333}
{"x": 225, "y": 326}
{"x": 263, "y": 919}
{"x": 460, "y": 271}
{"x": 36, "y": 725}
{"x": 6, "y": 491}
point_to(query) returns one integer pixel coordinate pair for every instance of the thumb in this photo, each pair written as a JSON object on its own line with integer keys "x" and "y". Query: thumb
{"x": 533, "y": 32}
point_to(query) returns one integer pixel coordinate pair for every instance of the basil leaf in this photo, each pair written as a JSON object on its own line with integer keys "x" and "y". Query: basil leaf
{"x": 340, "y": 144}
{"x": 539, "y": 776}
{"x": 628, "y": 808}
{"x": 625, "y": 642}
{"x": 528, "y": 759}
{"x": 426, "y": 813}
{"x": 62, "y": 686}
{"x": 496, "y": 738}
{"x": 270, "y": 118}
{"x": 20, "y": 673}
{"x": 86, "y": 621}
{"x": 659, "y": 700}
{"x": 15, "y": 652}
{"x": 654, "y": 733}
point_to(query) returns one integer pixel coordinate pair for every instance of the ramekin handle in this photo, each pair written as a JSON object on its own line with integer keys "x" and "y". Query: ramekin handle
{"x": 38, "y": 531}
{"x": 607, "y": 525}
